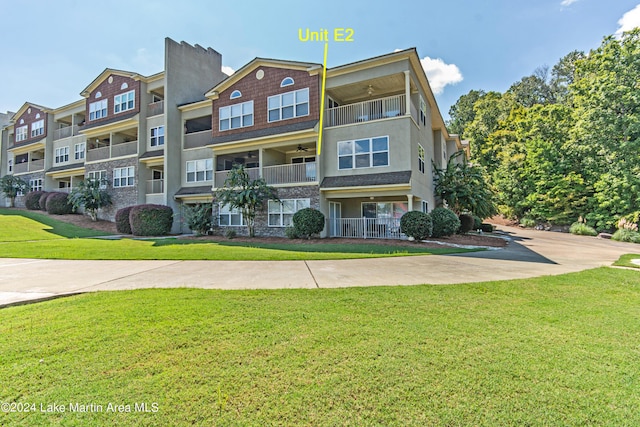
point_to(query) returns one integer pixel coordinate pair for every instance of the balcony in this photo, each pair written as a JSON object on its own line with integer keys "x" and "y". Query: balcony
{"x": 155, "y": 186}
{"x": 111, "y": 151}
{"x": 298, "y": 173}
{"x": 197, "y": 139}
{"x": 376, "y": 109}
{"x": 155, "y": 108}
{"x": 32, "y": 166}
{"x": 65, "y": 132}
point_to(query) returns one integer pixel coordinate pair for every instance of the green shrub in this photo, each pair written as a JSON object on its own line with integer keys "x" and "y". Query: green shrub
{"x": 625, "y": 235}
{"x": 122, "y": 220}
{"x": 477, "y": 222}
{"x": 466, "y": 223}
{"x": 445, "y": 222}
{"x": 416, "y": 224}
{"x": 486, "y": 228}
{"x": 528, "y": 222}
{"x": 582, "y": 229}
{"x": 42, "y": 202}
{"x": 199, "y": 217}
{"x": 630, "y": 221}
{"x": 290, "y": 232}
{"x": 32, "y": 200}
{"x": 230, "y": 233}
{"x": 150, "y": 220}
{"x": 58, "y": 204}
{"x": 308, "y": 221}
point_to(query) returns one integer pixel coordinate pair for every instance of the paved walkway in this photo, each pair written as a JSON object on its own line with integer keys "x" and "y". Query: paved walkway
{"x": 529, "y": 254}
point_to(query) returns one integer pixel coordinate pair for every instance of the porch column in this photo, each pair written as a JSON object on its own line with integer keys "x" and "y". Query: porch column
{"x": 407, "y": 93}
{"x": 110, "y": 144}
{"x": 410, "y": 202}
{"x": 260, "y": 153}
{"x": 215, "y": 169}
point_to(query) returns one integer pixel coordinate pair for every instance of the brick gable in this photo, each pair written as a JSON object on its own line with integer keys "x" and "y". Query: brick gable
{"x": 26, "y": 119}
{"x": 109, "y": 91}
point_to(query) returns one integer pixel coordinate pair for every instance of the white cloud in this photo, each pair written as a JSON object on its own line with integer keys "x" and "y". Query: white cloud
{"x": 440, "y": 74}
{"x": 629, "y": 21}
{"x": 227, "y": 70}
{"x": 568, "y": 2}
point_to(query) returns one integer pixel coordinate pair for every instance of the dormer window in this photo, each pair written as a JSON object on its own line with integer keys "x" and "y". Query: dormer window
{"x": 287, "y": 81}
{"x": 235, "y": 94}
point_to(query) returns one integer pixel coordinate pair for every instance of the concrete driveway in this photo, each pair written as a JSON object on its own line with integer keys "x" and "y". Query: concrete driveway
{"x": 530, "y": 253}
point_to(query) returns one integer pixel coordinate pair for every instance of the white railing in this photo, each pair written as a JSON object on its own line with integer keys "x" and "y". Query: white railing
{"x": 376, "y": 109}
{"x": 365, "y": 228}
{"x": 290, "y": 174}
{"x": 155, "y": 108}
{"x": 65, "y": 132}
{"x": 197, "y": 139}
{"x": 220, "y": 176}
{"x": 155, "y": 186}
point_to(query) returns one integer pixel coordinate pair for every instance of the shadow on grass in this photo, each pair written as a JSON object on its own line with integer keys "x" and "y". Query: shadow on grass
{"x": 324, "y": 247}
{"x": 59, "y": 228}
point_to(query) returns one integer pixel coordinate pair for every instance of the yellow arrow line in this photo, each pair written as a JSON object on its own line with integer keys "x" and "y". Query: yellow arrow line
{"x": 324, "y": 79}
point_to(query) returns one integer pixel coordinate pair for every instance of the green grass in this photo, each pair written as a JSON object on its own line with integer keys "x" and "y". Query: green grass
{"x": 25, "y": 234}
{"x": 625, "y": 261}
{"x": 19, "y": 225}
{"x": 557, "y": 350}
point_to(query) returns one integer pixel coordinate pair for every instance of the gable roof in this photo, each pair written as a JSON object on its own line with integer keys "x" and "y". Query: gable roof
{"x": 25, "y": 107}
{"x": 104, "y": 75}
{"x": 310, "y": 67}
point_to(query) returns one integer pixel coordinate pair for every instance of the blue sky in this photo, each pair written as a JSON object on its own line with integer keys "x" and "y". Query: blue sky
{"x": 52, "y": 50}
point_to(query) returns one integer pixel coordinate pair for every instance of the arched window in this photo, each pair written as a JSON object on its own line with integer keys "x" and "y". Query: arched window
{"x": 235, "y": 94}
{"x": 98, "y": 94}
{"x": 124, "y": 86}
{"x": 21, "y": 121}
{"x": 38, "y": 116}
{"x": 288, "y": 81}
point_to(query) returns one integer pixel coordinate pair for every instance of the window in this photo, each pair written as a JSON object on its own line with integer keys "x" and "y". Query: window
{"x": 288, "y": 105}
{"x": 423, "y": 111}
{"x": 124, "y": 177}
{"x": 124, "y": 86}
{"x": 98, "y": 110}
{"x": 281, "y": 213}
{"x": 124, "y": 101}
{"x": 35, "y": 184}
{"x": 236, "y": 116}
{"x": 37, "y": 128}
{"x": 157, "y": 136}
{"x": 420, "y": 158}
{"x": 100, "y": 176}
{"x": 235, "y": 94}
{"x": 384, "y": 210}
{"x": 363, "y": 153}
{"x": 332, "y": 103}
{"x": 229, "y": 217}
{"x": 425, "y": 206}
{"x": 21, "y": 133}
{"x": 287, "y": 81}
{"x": 62, "y": 155}
{"x": 10, "y": 166}
{"x": 78, "y": 151}
{"x": 200, "y": 170}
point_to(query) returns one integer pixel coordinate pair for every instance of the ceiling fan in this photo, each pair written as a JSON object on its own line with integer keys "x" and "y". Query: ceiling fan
{"x": 301, "y": 148}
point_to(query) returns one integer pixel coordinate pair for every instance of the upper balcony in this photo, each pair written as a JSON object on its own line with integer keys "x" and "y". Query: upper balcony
{"x": 366, "y": 111}
{"x": 29, "y": 162}
{"x": 112, "y": 150}
{"x": 298, "y": 173}
{"x": 155, "y": 108}
{"x": 66, "y": 132}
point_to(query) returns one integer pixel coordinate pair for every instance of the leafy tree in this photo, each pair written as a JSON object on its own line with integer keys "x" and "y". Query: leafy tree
{"x": 89, "y": 195}
{"x": 249, "y": 195}
{"x": 462, "y": 113}
{"x": 11, "y": 186}
{"x": 534, "y": 89}
{"x": 464, "y": 188}
{"x": 199, "y": 217}
{"x": 563, "y": 75}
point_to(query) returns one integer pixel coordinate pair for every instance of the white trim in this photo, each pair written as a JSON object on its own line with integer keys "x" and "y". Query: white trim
{"x": 129, "y": 102}
{"x": 98, "y": 109}
{"x": 294, "y": 105}
{"x": 229, "y": 213}
{"x": 288, "y": 83}
{"x": 196, "y": 168}
{"x": 241, "y": 115}
{"x": 157, "y": 137}
{"x": 79, "y": 151}
{"x": 285, "y": 221}
{"x": 61, "y": 155}
{"x": 421, "y": 160}
{"x": 371, "y": 152}
{"x": 126, "y": 174}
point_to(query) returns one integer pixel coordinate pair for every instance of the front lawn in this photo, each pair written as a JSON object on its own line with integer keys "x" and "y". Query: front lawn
{"x": 626, "y": 261}
{"x": 556, "y": 350}
{"x": 25, "y": 234}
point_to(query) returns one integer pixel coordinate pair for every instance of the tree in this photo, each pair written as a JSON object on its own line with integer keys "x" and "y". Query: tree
{"x": 198, "y": 217}
{"x": 11, "y": 186}
{"x": 242, "y": 192}
{"x": 90, "y": 195}
{"x": 533, "y": 89}
{"x": 464, "y": 188}
{"x": 462, "y": 112}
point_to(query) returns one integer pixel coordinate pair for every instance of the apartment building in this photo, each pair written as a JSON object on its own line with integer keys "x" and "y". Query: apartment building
{"x": 171, "y": 138}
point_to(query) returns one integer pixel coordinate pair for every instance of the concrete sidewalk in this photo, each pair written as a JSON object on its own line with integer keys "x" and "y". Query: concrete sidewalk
{"x": 529, "y": 254}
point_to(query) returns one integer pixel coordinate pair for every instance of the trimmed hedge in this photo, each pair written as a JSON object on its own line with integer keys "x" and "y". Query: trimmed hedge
{"x": 42, "y": 202}
{"x": 308, "y": 221}
{"x": 150, "y": 220}
{"x": 416, "y": 224}
{"x": 466, "y": 223}
{"x": 32, "y": 200}
{"x": 58, "y": 204}
{"x": 477, "y": 222}
{"x": 445, "y": 222}
{"x": 486, "y": 228}
{"x": 122, "y": 220}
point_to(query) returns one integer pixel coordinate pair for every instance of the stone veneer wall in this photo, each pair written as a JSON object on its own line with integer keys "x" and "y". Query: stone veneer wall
{"x": 311, "y": 192}
{"x": 120, "y": 197}
{"x": 19, "y": 202}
